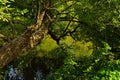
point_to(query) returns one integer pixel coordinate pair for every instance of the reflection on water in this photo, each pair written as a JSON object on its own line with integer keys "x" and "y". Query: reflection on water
{"x": 17, "y": 74}
{"x": 38, "y": 75}
{"x": 13, "y": 74}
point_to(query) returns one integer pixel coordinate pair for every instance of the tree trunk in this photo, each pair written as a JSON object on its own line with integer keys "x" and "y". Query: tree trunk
{"x": 24, "y": 42}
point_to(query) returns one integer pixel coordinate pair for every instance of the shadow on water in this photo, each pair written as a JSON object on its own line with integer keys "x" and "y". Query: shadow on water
{"x": 39, "y": 68}
{"x": 16, "y": 74}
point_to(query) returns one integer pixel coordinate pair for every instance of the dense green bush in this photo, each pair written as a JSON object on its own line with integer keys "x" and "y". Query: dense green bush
{"x": 99, "y": 66}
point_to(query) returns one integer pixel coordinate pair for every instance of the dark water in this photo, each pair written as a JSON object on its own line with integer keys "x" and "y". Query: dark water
{"x": 17, "y": 74}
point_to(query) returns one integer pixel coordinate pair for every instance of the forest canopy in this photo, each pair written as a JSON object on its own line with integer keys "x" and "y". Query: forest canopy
{"x": 74, "y": 38}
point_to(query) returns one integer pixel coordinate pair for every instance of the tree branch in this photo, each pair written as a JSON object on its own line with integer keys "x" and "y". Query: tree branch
{"x": 65, "y": 32}
{"x": 20, "y": 44}
{"x": 30, "y": 38}
{"x": 4, "y": 38}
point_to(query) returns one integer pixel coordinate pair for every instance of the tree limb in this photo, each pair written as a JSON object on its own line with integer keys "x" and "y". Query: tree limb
{"x": 21, "y": 44}
{"x": 4, "y": 38}
{"x": 30, "y": 38}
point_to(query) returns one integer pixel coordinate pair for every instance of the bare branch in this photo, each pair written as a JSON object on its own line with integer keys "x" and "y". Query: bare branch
{"x": 68, "y": 25}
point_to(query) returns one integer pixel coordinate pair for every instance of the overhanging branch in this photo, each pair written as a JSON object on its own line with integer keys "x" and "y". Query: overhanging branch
{"x": 30, "y": 38}
{"x": 22, "y": 43}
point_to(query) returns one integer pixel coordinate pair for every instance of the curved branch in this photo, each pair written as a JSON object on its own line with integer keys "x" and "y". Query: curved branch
{"x": 24, "y": 42}
{"x": 30, "y": 38}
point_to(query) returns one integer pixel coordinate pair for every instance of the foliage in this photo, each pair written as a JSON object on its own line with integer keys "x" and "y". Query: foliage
{"x": 100, "y": 66}
{"x": 99, "y": 21}
{"x": 80, "y": 42}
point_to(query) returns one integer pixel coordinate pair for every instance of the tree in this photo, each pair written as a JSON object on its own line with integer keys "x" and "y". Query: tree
{"x": 26, "y": 40}
{"x": 96, "y": 21}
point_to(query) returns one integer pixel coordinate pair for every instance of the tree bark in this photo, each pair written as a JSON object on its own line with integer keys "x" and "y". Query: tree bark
{"x": 31, "y": 37}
